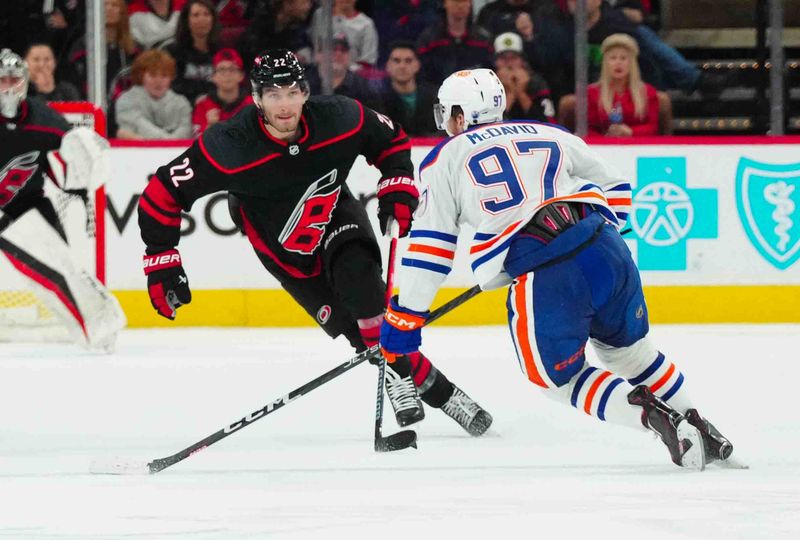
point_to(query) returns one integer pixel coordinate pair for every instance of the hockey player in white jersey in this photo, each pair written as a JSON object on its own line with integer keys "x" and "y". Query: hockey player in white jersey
{"x": 38, "y": 150}
{"x": 547, "y": 213}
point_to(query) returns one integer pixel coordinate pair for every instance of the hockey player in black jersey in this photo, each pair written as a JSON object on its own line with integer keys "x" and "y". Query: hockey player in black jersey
{"x": 36, "y": 146}
{"x": 284, "y": 162}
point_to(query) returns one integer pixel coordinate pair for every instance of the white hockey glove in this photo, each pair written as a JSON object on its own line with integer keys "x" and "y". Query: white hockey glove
{"x": 84, "y": 160}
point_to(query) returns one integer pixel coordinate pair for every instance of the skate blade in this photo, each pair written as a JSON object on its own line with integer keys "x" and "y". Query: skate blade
{"x": 695, "y": 456}
{"x": 118, "y": 466}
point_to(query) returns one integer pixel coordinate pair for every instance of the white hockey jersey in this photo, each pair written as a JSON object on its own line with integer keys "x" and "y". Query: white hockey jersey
{"x": 494, "y": 178}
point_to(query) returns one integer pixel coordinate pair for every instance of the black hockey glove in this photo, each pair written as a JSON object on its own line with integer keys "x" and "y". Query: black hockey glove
{"x": 167, "y": 284}
{"x": 398, "y": 197}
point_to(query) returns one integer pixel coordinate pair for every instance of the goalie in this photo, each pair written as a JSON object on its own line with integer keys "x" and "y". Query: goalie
{"x": 37, "y": 143}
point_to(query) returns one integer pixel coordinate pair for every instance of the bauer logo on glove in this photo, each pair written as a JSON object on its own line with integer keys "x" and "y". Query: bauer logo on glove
{"x": 167, "y": 284}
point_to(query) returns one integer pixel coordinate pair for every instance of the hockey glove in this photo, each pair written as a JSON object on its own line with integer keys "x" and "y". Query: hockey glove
{"x": 398, "y": 197}
{"x": 401, "y": 331}
{"x": 166, "y": 282}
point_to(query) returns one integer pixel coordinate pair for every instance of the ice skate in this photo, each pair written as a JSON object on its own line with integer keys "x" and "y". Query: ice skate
{"x": 683, "y": 440}
{"x": 469, "y": 415}
{"x": 404, "y": 398}
{"x": 718, "y": 448}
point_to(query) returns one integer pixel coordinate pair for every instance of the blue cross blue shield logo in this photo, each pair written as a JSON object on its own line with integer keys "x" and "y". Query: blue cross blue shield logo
{"x": 667, "y": 214}
{"x": 768, "y": 199}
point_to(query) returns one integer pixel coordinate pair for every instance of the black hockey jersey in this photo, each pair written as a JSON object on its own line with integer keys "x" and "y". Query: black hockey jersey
{"x": 289, "y": 191}
{"x": 24, "y": 144}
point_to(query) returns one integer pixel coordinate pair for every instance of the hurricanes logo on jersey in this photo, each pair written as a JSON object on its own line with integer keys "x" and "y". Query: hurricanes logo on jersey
{"x": 15, "y": 174}
{"x": 305, "y": 227}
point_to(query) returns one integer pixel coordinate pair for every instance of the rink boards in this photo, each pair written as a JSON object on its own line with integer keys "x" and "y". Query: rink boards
{"x": 715, "y": 232}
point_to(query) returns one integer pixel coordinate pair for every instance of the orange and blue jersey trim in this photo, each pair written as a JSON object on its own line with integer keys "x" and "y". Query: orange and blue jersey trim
{"x": 431, "y": 250}
{"x": 490, "y": 242}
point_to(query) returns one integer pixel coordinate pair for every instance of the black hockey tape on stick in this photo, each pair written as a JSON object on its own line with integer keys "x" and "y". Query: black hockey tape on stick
{"x": 115, "y": 466}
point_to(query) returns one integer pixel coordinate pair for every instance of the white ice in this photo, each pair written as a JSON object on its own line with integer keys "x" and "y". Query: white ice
{"x": 308, "y": 470}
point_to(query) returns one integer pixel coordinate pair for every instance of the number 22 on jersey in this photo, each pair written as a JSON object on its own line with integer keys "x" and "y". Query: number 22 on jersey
{"x": 496, "y": 167}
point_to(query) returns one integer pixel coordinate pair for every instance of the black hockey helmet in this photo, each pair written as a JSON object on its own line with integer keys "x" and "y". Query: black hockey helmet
{"x": 276, "y": 68}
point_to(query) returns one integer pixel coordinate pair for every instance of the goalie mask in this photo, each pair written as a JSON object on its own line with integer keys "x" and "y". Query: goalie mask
{"x": 13, "y": 82}
{"x": 478, "y": 92}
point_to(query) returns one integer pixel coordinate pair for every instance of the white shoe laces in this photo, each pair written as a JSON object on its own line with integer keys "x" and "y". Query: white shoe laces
{"x": 461, "y": 408}
{"x": 401, "y": 390}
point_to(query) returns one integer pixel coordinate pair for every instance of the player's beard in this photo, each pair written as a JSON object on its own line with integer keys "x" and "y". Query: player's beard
{"x": 283, "y": 126}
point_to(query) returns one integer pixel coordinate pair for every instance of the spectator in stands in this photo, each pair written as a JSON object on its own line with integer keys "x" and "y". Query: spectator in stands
{"x": 196, "y": 41}
{"x": 405, "y": 99}
{"x": 151, "y": 110}
{"x": 527, "y": 94}
{"x": 401, "y": 20}
{"x": 120, "y": 47}
{"x": 358, "y": 27}
{"x": 42, "y": 65}
{"x": 514, "y": 16}
{"x": 229, "y": 96}
{"x": 153, "y": 22}
{"x": 661, "y": 65}
{"x": 619, "y": 103}
{"x": 345, "y": 82}
{"x": 65, "y": 24}
{"x": 453, "y": 43}
{"x": 280, "y": 24}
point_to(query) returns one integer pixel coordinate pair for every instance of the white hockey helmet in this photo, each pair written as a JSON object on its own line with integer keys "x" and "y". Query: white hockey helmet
{"x": 478, "y": 92}
{"x": 11, "y": 95}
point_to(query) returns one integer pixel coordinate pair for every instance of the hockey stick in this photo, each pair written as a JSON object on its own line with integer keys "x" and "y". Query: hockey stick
{"x": 401, "y": 439}
{"x": 115, "y": 466}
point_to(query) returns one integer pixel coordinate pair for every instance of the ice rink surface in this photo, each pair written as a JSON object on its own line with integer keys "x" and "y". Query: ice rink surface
{"x": 308, "y": 470}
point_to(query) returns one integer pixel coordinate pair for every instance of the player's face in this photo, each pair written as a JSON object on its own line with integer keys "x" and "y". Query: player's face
{"x": 156, "y": 83}
{"x": 200, "y": 20}
{"x": 227, "y": 76}
{"x": 402, "y": 65}
{"x": 618, "y": 63}
{"x": 455, "y": 125}
{"x": 282, "y": 107}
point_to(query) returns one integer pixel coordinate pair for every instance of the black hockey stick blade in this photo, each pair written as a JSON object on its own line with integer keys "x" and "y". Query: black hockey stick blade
{"x": 396, "y": 441}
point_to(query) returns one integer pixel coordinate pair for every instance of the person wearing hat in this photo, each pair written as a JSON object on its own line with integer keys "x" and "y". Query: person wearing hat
{"x": 620, "y": 103}
{"x": 527, "y": 94}
{"x": 229, "y": 96}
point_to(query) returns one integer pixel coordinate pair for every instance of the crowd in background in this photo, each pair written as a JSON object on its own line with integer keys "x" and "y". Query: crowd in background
{"x": 176, "y": 67}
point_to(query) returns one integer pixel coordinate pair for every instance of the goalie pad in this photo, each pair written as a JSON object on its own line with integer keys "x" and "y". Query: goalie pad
{"x": 89, "y": 312}
{"x": 82, "y": 162}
